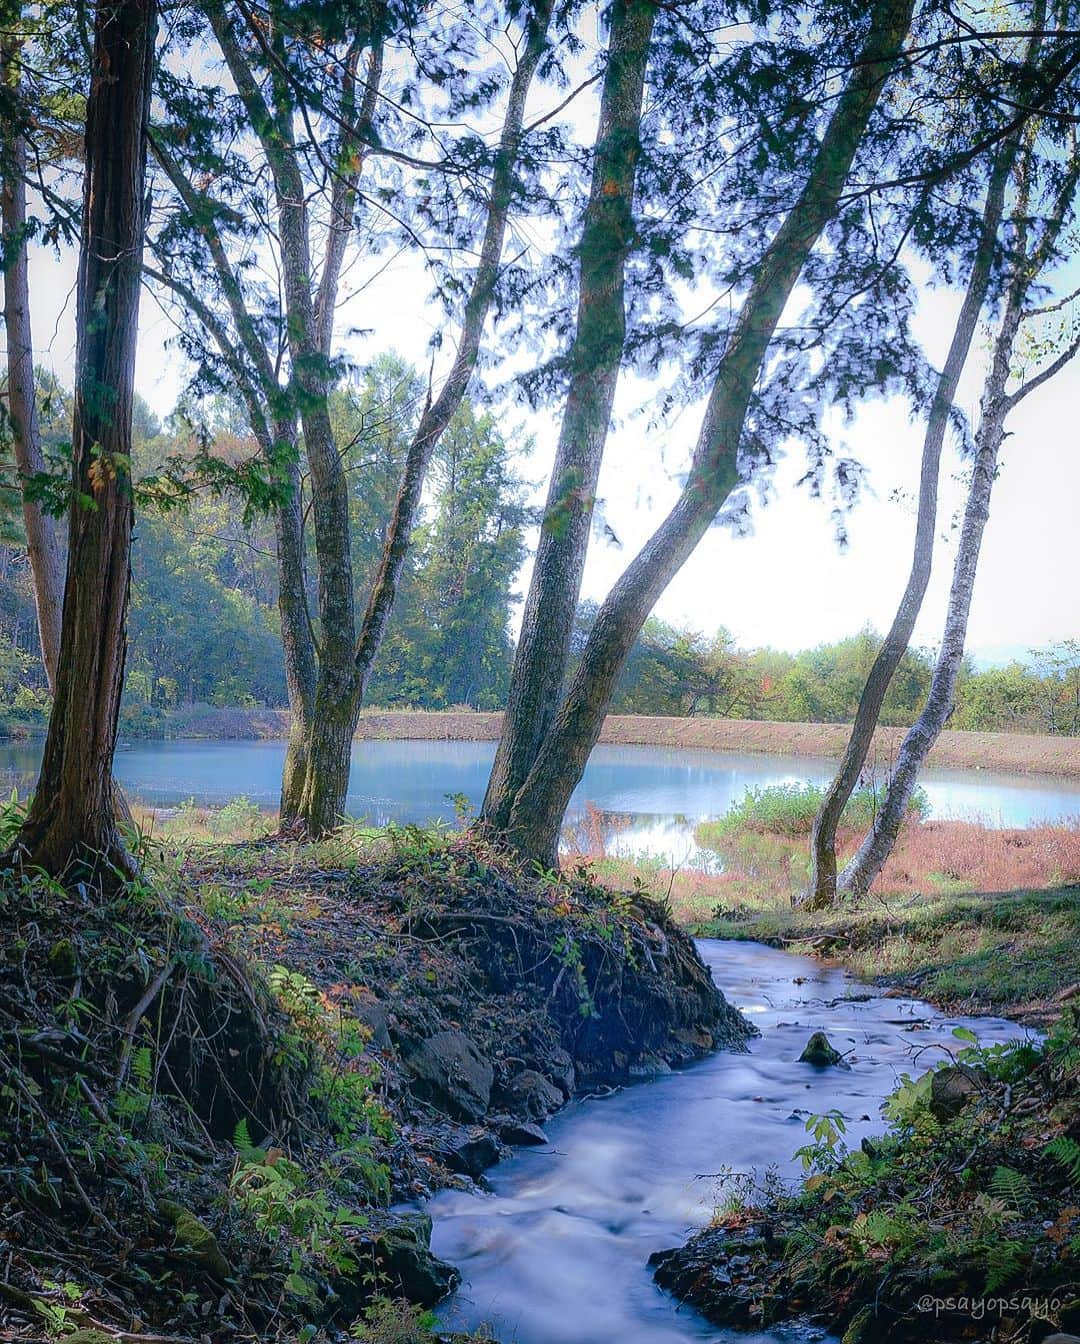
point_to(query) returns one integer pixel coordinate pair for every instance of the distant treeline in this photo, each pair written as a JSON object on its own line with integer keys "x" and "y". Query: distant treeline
{"x": 204, "y": 623}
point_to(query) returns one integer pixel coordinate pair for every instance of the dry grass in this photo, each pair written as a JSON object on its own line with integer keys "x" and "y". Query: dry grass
{"x": 763, "y": 873}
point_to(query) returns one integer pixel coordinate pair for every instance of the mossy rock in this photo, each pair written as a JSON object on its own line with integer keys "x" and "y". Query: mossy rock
{"x": 821, "y": 1053}
{"x": 194, "y": 1239}
{"x": 89, "y": 1336}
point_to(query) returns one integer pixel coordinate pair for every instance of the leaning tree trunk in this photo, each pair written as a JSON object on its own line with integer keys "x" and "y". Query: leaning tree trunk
{"x": 42, "y": 539}
{"x": 71, "y": 818}
{"x": 996, "y": 404}
{"x": 822, "y": 890}
{"x": 543, "y": 649}
{"x": 541, "y": 802}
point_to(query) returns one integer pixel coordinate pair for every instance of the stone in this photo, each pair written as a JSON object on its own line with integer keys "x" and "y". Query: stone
{"x": 450, "y": 1072}
{"x": 518, "y": 1133}
{"x": 953, "y": 1087}
{"x": 371, "y": 1013}
{"x": 820, "y": 1052}
{"x": 402, "y": 1256}
{"x": 530, "y": 1094}
{"x": 468, "y": 1151}
{"x": 194, "y": 1239}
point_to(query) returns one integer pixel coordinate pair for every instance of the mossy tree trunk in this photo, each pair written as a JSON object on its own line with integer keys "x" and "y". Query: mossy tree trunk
{"x": 540, "y": 803}
{"x": 543, "y": 648}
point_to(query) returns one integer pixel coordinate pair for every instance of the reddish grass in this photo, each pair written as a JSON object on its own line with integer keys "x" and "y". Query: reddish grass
{"x": 968, "y": 855}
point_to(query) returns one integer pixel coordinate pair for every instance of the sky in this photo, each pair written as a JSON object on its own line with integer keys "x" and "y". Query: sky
{"x": 787, "y": 584}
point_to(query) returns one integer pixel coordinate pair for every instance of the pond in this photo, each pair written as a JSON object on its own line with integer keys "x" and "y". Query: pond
{"x": 647, "y": 799}
{"x": 557, "y": 1252}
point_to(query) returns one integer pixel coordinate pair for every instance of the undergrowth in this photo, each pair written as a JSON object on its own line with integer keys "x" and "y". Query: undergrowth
{"x": 976, "y": 1204}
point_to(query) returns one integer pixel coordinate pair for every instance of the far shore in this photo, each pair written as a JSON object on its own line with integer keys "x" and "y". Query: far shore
{"x": 1014, "y": 753}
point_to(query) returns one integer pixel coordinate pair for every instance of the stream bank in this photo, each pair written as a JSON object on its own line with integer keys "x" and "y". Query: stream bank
{"x": 222, "y": 1079}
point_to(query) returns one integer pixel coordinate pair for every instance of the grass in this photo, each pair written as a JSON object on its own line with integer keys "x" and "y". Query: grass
{"x": 963, "y": 915}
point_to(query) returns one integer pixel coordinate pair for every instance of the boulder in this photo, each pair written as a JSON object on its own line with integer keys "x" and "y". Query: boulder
{"x": 820, "y": 1052}
{"x": 194, "y": 1240}
{"x": 468, "y": 1151}
{"x": 399, "y": 1255}
{"x": 531, "y": 1095}
{"x": 953, "y": 1087}
{"x": 371, "y": 1013}
{"x": 518, "y": 1133}
{"x": 450, "y": 1072}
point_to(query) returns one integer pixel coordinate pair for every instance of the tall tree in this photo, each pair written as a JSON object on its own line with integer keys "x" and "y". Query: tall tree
{"x": 329, "y": 656}
{"x": 72, "y": 816}
{"x": 42, "y": 537}
{"x": 894, "y": 646}
{"x": 1034, "y": 248}
{"x": 535, "y": 810}
{"x": 594, "y": 360}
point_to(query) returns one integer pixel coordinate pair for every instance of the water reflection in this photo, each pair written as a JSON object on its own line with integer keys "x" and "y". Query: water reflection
{"x": 660, "y": 793}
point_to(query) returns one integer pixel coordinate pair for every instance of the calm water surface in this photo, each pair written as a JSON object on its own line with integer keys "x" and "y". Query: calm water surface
{"x": 658, "y": 793}
{"x": 557, "y": 1253}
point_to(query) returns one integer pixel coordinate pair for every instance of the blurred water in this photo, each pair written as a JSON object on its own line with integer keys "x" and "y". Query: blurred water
{"x": 557, "y": 1253}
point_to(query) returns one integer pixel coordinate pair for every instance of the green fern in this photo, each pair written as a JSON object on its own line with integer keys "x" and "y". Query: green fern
{"x": 243, "y": 1145}
{"x": 142, "y": 1067}
{"x": 1002, "y": 1261}
{"x": 1066, "y": 1152}
{"x": 1009, "y": 1185}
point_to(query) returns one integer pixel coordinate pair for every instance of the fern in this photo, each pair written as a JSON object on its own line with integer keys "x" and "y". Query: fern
{"x": 1002, "y": 1260}
{"x": 1011, "y": 1186}
{"x": 142, "y": 1067}
{"x": 243, "y": 1145}
{"x": 1066, "y": 1152}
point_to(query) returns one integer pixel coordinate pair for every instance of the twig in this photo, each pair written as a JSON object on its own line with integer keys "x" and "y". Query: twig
{"x": 132, "y": 1025}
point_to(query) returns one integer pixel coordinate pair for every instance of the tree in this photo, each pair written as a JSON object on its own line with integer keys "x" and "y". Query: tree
{"x": 279, "y": 353}
{"x": 593, "y": 363}
{"x": 822, "y": 888}
{"x": 72, "y": 816}
{"x": 42, "y": 537}
{"x": 535, "y": 809}
{"x": 1034, "y": 248}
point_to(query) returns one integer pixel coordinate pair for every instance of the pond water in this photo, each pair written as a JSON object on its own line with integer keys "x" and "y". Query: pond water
{"x": 557, "y": 1253}
{"x": 649, "y": 799}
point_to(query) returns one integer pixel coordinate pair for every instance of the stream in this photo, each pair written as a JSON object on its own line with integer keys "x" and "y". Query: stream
{"x": 556, "y": 1253}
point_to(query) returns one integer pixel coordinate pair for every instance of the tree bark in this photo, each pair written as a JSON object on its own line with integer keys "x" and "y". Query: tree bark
{"x": 540, "y": 804}
{"x": 42, "y": 538}
{"x": 822, "y": 890}
{"x": 543, "y": 649}
{"x": 71, "y": 819}
{"x": 995, "y": 405}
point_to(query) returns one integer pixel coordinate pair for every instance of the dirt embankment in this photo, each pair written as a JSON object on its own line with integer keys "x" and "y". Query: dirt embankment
{"x": 213, "y": 1093}
{"x": 1021, "y": 753}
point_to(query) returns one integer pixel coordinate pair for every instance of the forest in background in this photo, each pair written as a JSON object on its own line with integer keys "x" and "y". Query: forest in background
{"x": 205, "y": 628}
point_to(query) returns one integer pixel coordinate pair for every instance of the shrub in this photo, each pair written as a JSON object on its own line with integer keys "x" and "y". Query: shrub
{"x": 790, "y": 809}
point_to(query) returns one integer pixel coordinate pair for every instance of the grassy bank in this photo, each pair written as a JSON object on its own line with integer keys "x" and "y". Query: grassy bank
{"x": 963, "y": 915}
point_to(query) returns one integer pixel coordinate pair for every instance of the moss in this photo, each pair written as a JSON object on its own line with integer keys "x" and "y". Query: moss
{"x": 195, "y": 1238}
{"x": 63, "y": 960}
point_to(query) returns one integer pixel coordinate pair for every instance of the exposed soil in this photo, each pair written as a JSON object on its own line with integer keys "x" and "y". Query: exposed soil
{"x": 215, "y": 1086}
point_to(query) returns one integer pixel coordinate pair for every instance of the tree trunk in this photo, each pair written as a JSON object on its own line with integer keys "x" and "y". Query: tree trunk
{"x": 71, "y": 818}
{"x": 823, "y": 839}
{"x": 42, "y": 539}
{"x": 995, "y": 406}
{"x": 543, "y": 649}
{"x": 540, "y": 804}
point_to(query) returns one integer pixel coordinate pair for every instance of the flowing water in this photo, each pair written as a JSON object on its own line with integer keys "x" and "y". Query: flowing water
{"x": 556, "y": 1253}
{"x": 648, "y": 799}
